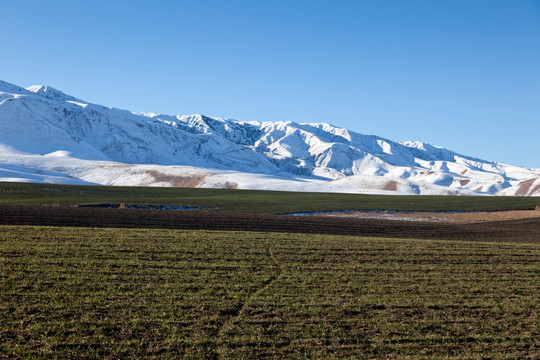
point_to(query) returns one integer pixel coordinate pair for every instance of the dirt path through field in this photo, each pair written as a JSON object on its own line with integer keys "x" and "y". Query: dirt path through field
{"x": 228, "y": 325}
{"x": 440, "y": 217}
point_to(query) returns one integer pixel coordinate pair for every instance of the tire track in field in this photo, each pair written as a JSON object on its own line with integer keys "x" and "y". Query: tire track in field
{"x": 229, "y": 324}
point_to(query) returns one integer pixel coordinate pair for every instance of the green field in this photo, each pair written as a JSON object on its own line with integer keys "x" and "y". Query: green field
{"x": 152, "y": 293}
{"x": 132, "y": 293}
{"x": 248, "y": 201}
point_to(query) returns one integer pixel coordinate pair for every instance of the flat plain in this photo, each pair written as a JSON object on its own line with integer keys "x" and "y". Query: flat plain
{"x": 250, "y": 201}
{"x": 238, "y": 283}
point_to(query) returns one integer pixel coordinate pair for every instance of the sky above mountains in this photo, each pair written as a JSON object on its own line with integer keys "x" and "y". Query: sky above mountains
{"x": 463, "y": 75}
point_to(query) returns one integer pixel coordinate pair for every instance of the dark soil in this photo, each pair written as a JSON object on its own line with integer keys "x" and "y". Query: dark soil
{"x": 523, "y": 230}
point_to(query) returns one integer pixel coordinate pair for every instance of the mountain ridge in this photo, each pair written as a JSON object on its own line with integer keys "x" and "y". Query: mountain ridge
{"x": 82, "y": 139}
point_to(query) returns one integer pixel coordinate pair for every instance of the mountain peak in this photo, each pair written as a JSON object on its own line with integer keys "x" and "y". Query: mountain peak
{"x": 51, "y": 93}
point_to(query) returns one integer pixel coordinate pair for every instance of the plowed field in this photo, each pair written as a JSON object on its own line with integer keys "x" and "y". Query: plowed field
{"x": 521, "y": 230}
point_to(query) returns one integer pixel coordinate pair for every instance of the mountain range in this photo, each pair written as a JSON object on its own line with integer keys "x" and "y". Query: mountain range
{"x": 51, "y": 137}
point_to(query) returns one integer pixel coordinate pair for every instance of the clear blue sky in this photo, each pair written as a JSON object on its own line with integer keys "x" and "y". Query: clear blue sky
{"x": 460, "y": 74}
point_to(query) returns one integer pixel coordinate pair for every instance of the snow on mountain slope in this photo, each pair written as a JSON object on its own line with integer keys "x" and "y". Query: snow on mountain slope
{"x": 48, "y": 136}
{"x": 14, "y": 173}
{"x": 46, "y": 123}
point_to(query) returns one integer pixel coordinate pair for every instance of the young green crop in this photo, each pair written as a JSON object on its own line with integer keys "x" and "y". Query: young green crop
{"x": 249, "y": 201}
{"x": 132, "y": 293}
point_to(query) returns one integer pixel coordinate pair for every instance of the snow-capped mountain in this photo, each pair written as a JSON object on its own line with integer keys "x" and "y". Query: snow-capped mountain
{"x": 48, "y": 136}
